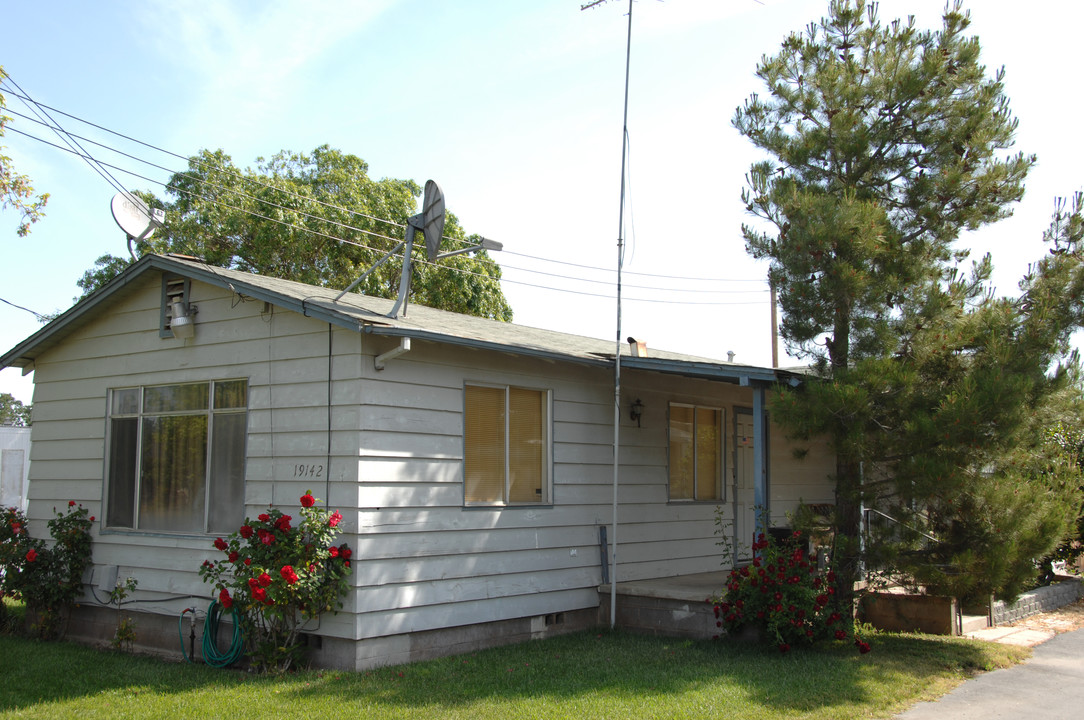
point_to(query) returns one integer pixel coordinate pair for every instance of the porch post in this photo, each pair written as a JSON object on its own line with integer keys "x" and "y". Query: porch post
{"x": 761, "y": 499}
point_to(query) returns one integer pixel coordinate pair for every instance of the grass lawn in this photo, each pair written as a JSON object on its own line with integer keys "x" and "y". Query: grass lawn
{"x": 586, "y": 675}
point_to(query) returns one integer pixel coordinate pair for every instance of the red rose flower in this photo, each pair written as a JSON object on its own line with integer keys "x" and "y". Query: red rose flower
{"x": 220, "y": 543}
{"x": 264, "y": 580}
{"x": 259, "y": 594}
{"x": 335, "y": 519}
{"x": 333, "y": 551}
{"x": 71, "y": 503}
{"x": 863, "y": 647}
{"x": 233, "y": 556}
{"x": 283, "y": 523}
{"x": 224, "y": 598}
{"x": 31, "y": 555}
{"x": 346, "y": 563}
{"x": 246, "y": 531}
{"x": 248, "y": 561}
{"x": 263, "y": 517}
{"x": 253, "y": 584}
{"x": 288, "y": 574}
{"x": 92, "y": 518}
{"x": 265, "y": 537}
{"x": 841, "y": 635}
{"x": 307, "y": 500}
{"x": 346, "y": 552}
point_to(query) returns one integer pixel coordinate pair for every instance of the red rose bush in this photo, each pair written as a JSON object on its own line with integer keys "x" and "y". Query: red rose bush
{"x": 48, "y": 577}
{"x": 277, "y": 576}
{"x": 784, "y": 595}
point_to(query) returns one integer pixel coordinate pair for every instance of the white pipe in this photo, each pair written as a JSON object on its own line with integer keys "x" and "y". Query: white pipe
{"x": 404, "y": 346}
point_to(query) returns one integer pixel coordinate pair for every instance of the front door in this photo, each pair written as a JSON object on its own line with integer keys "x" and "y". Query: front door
{"x": 744, "y": 490}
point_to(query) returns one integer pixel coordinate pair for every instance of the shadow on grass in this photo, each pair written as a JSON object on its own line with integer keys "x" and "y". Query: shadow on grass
{"x": 600, "y": 670}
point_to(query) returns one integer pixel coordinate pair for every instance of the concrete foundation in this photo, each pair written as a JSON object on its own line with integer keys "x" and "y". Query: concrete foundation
{"x": 160, "y": 635}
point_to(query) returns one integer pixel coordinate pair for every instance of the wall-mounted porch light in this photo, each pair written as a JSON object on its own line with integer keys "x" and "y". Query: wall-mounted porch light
{"x": 636, "y": 411}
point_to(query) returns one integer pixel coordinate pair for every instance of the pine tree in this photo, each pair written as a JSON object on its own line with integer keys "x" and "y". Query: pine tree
{"x": 885, "y": 143}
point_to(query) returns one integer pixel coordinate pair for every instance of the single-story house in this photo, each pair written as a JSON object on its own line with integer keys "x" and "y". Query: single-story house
{"x": 472, "y": 459}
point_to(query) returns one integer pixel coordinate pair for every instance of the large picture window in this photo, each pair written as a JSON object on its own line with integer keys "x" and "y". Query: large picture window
{"x": 506, "y": 446}
{"x": 696, "y": 452}
{"x": 177, "y": 457}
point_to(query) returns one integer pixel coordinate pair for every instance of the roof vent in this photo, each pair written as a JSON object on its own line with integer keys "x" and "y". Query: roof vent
{"x": 637, "y": 348}
{"x": 730, "y": 356}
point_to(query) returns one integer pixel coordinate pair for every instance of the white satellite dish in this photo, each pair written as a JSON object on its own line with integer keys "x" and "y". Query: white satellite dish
{"x": 135, "y": 218}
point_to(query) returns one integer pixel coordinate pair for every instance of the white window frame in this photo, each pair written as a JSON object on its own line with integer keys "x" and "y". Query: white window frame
{"x": 720, "y": 475}
{"x": 141, "y": 414}
{"x": 547, "y": 448}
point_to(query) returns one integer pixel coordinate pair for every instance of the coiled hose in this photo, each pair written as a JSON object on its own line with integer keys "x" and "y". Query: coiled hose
{"x": 211, "y": 654}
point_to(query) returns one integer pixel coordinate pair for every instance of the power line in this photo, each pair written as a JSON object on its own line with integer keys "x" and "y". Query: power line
{"x": 256, "y": 181}
{"x": 86, "y": 156}
{"x": 39, "y": 316}
{"x": 423, "y": 262}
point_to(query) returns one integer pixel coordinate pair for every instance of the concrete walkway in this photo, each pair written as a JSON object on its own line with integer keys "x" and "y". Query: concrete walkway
{"x": 1049, "y": 685}
{"x": 1009, "y": 635}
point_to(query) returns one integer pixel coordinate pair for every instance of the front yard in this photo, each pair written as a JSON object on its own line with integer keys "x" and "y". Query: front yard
{"x": 587, "y": 675}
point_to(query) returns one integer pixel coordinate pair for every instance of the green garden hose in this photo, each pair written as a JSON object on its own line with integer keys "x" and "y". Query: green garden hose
{"x": 211, "y": 654}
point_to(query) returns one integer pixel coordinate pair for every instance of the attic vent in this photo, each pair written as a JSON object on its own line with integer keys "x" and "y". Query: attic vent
{"x": 174, "y": 288}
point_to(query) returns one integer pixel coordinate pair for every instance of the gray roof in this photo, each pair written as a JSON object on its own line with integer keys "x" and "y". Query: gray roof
{"x": 368, "y": 314}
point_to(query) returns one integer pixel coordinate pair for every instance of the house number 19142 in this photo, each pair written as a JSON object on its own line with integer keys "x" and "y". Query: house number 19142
{"x": 313, "y": 471}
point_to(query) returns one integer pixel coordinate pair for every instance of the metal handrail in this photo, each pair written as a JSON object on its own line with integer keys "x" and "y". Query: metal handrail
{"x": 889, "y": 517}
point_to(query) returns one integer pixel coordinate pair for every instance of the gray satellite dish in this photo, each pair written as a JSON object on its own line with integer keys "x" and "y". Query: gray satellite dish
{"x": 433, "y": 218}
{"x": 134, "y": 217}
{"x": 431, "y": 222}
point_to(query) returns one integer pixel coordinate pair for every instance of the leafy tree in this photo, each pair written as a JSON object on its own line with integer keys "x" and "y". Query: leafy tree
{"x": 13, "y": 412}
{"x": 885, "y": 143}
{"x": 15, "y": 189}
{"x": 105, "y": 269}
{"x": 316, "y": 218}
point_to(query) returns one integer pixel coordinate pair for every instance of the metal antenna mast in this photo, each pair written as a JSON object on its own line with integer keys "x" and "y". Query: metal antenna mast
{"x": 617, "y": 347}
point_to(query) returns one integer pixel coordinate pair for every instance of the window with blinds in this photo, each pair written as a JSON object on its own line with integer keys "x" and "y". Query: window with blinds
{"x": 696, "y": 452}
{"x": 506, "y": 455}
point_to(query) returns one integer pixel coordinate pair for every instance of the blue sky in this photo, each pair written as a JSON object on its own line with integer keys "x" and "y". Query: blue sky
{"x": 515, "y": 108}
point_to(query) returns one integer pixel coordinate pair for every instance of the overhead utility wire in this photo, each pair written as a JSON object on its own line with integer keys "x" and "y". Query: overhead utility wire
{"x": 219, "y": 187}
{"x": 332, "y": 205}
{"x": 206, "y": 166}
{"x": 63, "y": 135}
{"x": 39, "y": 316}
{"x": 366, "y": 247}
{"x": 340, "y": 224}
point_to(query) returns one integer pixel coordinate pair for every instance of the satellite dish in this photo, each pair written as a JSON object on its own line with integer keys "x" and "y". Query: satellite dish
{"x": 431, "y": 222}
{"x": 432, "y": 218}
{"x": 134, "y": 217}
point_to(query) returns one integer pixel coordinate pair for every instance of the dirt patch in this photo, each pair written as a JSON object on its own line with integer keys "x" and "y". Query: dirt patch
{"x": 1070, "y": 617}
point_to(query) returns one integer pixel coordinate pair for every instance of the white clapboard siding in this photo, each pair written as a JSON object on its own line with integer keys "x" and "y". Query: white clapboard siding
{"x": 389, "y": 456}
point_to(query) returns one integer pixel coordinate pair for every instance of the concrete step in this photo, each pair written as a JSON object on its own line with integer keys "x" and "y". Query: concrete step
{"x": 974, "y": 623}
